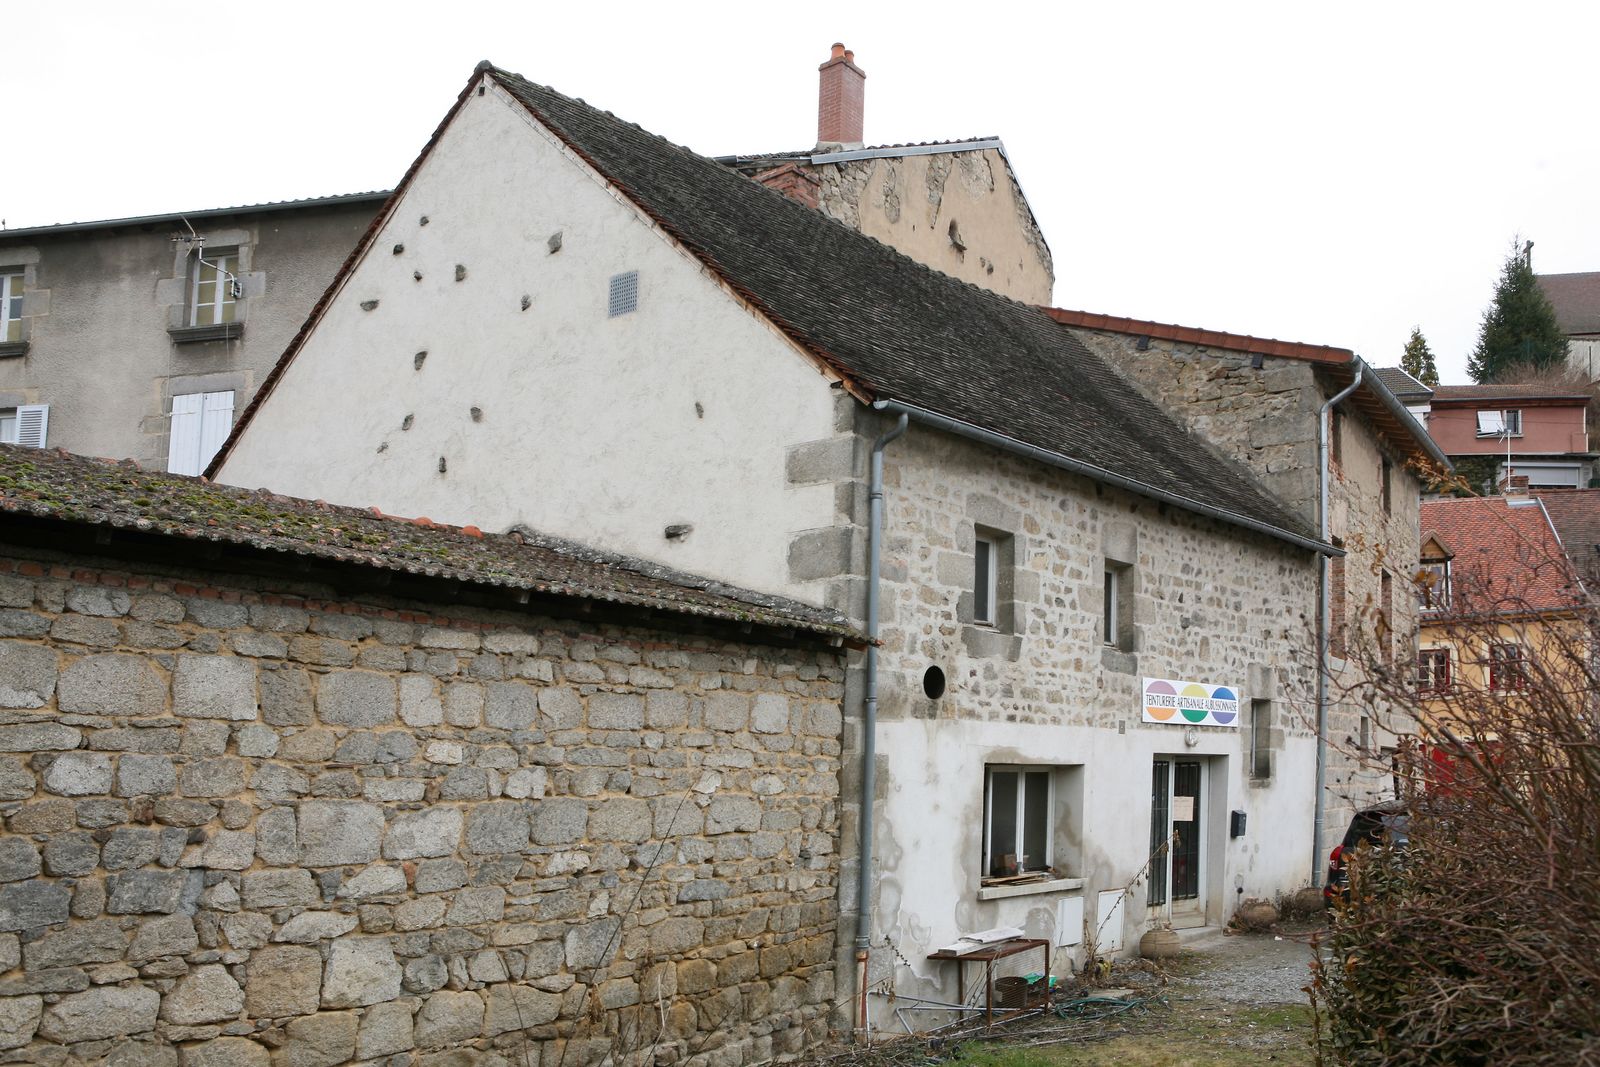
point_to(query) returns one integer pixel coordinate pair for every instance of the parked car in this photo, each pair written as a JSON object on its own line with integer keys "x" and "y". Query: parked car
{"x": 1380, "y": 825}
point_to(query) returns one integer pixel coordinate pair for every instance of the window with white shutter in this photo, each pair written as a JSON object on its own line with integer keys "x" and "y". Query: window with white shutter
{"x": 26, "y": 425}
{"x": 200, "y": 423}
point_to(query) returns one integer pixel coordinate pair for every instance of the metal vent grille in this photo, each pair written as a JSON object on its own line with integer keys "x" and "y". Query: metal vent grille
{"x": 624, "y": 293}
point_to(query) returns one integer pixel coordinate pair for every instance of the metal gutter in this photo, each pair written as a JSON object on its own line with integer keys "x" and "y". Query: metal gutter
{"x": 850, "y": 155}
{"x": 869, "y": 721}
{"x": 1366, "y": 375}
{"x": 208, "y": 213}
{"x": 1324, "y": 623}
{"x": 1100, "y": 474}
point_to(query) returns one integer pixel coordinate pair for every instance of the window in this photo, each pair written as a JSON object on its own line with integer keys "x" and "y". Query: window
{"x": 1433, "y": 670}
{"x": 624, "y": 294}
{"x": 1108, "y": 612}
{"x": 1433, "y": 585}
{"x": 1261, "y": 739}
{"x": 1386, "y": 616}
{"x": 25, "y": 425}
{"x": 1116, "y": 606}
{"x": 200, "y": 423}
{"x": 214, "y": 298}
{"x": 1387, "y": 474}
{"x": 984, "y": 583}
{"x": 1508, "y": 668}
{"x": 1500, "y": 423}
{"x": 10, "y": 305}
{"x": 1335, "y": 440}
{"x": 1017, "y": 827}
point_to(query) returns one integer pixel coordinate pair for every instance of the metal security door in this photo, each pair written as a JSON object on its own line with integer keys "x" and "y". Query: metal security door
{"x": 1160, "y": 816}
{"x": 1186, "y": 832}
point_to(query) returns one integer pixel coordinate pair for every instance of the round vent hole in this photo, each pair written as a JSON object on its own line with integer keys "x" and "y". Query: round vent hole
{"x": 933, "y": 683}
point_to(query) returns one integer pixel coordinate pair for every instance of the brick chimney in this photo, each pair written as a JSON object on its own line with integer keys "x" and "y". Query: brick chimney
{"x": 840, "y": 99}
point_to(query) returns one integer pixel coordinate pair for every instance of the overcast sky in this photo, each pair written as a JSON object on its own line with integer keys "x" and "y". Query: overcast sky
{"x": 1320, "y": 173}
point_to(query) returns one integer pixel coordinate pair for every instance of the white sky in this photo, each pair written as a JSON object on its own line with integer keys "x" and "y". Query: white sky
{"x": 1324, "y": 173}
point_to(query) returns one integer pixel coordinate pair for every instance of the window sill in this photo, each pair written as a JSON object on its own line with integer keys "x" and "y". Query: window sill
{"x": 1113, "y": 658}
{"x": 188, "y": 335}
{"x": 13, "y": 349}
{"x": 1001, "y": 892}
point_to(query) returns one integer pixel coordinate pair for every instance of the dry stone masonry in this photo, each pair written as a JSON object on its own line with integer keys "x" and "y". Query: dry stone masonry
{"x": 250, "y": 828}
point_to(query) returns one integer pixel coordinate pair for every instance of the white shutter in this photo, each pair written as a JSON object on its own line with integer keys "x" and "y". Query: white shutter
{"x": 183, "y": 445}
{"x": 33, "y": 420}
{"x": 216, "y": 419}
{"x": 1491, "y": 423}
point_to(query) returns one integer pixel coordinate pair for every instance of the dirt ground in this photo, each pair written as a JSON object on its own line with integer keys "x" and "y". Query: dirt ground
{"x": 1228, "y": 1001}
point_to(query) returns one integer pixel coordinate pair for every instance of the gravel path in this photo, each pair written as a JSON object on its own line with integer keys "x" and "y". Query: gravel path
{"x": 1249, "y": 968}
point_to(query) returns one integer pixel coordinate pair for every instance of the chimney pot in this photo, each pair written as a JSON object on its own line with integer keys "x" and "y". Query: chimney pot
{"x": 841, "y": 99}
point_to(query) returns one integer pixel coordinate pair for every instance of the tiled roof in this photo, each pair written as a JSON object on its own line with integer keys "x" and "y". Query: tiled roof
{"x": 1448, "y": 393}
{"x": 75, "y": 489}
{"x": 1506, "y": 556}
{"x": 374, "y": 198}
{"x": 1576, "y": 298}
{"x": 893, "y": 328}
{"x": 1575, "y": 513}
{"x": 1401, "y": 384}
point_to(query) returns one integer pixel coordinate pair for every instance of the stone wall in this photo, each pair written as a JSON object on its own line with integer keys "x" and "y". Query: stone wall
{"x": 251, "y": 824}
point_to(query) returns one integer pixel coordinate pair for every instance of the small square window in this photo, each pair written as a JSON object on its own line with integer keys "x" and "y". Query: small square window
{"x": 215, "y": 289}
{"x": 1508, "y": 668}
{"x": 10, "y": 305}
{"x": 624, "y": 294}
{"x": 1433, "y": 671}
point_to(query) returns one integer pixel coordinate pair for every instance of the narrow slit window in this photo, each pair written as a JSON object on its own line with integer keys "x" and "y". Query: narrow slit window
{"x": 983, "y": 581}
{"x": 1261, "y": 739}
{"x": 1108, "y": 609}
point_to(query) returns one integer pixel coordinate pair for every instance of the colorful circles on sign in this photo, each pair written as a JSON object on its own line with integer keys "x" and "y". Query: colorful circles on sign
{"x": 1196, "y": 703}
{"x": 1158, "y": 710}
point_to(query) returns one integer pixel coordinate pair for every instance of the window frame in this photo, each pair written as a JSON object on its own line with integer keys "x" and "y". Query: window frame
{"x": 1434, "y": 672}
{"x": 1260, "y": 739}
{"x": 1426, "y": 599}
{"x": 1508, "y": 667}
{"x": 225, "y": 262}
{"x": 985, "y": 580}
{"x": 1510, "y": 420}
{"x": 11, "y": 293}
{"x": 1021, "y": 770}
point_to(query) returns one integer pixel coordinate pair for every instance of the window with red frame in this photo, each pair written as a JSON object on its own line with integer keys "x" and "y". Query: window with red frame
{"x": 1507, "y": 668}
{"x": 1433, "y": 670}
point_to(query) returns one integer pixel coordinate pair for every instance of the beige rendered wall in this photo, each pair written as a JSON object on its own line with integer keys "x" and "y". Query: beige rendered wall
{"x": 531, "y": 405}
{"x": 959, "y": 212}
{"x": 97, "y": 306}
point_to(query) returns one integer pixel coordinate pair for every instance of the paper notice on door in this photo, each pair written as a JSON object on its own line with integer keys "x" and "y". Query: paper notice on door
{"x": 1183, "y": 809}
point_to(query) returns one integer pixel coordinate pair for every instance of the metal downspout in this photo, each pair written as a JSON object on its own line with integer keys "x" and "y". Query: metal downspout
{"x": 869, "y": 722}
{"x": 1324, "y": 623}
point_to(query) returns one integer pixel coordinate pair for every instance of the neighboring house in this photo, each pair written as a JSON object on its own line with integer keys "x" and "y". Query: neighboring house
{"x": 1576, "y": 300}
{"x": 1499, "y": 601}
{"x": 337, "y": 787}
{"x": 953, "y": 205}
{"x": 1257, "y": 400}
{"x": 1416, "y": 396}
{"x": 1575, "y": 514}
{"x": 1096, "y": 632}
{"x": 1542, "y": 432}
{"x": 140, "y": 338}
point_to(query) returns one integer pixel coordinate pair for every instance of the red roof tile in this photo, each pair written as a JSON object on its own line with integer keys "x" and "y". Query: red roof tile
{"x": 1506, "y": 556}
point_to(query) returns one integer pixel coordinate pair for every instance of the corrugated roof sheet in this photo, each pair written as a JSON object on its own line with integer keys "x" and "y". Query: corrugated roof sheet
{"x": 76, "y": 489}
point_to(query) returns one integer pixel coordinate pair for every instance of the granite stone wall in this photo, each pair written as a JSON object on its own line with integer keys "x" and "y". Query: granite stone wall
{"x": 248, "y": 824}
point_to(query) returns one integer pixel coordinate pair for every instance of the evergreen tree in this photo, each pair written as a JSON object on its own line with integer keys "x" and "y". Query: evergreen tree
{"x": 1418, "y": 359}
{"x": 1519, "y": 328}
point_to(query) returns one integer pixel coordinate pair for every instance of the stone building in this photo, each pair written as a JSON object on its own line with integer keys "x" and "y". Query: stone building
{"x": 1261, "y": 402}
{"x": 675, "y": 362}
{"x": 954, "y": 205}
{"x": 1575, "y": 298}
{"x": 289, "y": 784}
{"x": 140, "y": 338}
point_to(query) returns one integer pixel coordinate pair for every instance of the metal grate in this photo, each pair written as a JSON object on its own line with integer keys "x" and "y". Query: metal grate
{"x": 1158, "y": 832}
{"x": 624, "y": 293}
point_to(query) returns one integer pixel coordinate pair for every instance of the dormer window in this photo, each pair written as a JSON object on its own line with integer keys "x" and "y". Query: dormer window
{"x": 1433, "y": 585}
{"x": 1507, "y": 423}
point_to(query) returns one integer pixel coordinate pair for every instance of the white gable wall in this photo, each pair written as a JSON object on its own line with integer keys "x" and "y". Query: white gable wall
{"x": 605, "y": 430}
